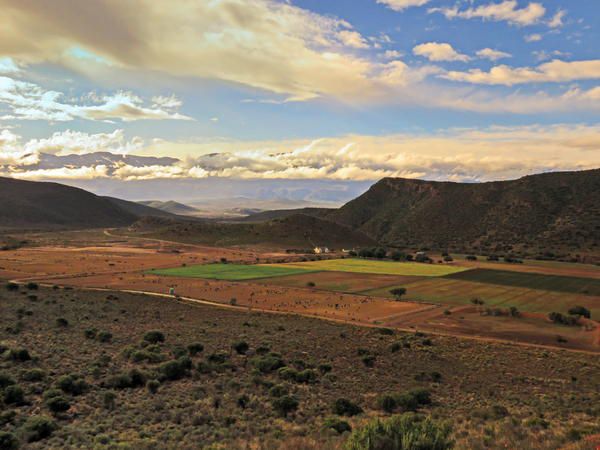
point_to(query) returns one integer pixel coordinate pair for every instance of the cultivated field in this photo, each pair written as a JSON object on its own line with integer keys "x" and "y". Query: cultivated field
{"x": 231, "y": 271}
{"x": 379, "y": 267}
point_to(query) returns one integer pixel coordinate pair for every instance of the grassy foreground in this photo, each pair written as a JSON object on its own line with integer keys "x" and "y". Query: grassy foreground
{"x": 100, "y": 370}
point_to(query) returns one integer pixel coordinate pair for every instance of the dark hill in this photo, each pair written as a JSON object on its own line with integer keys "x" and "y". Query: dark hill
{"x": 296, "y": 231}
{"x": 35, "y": 205}
{"x": 537, "y": 213}
{"x": 139, "y": 209}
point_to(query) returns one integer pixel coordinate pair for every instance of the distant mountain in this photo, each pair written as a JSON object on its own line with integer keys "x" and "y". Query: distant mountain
{"x": 537, "y": 213}
{"x": 171, "y": 207}
{"x": 29, "y": 204}
{"x": 263, "y": 216}
{"x": 139, "y": 209}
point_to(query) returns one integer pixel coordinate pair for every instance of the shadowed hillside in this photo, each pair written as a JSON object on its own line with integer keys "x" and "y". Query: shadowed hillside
{"x": 547, "y": 212}
{"x": 299, "y": 231}
{"x": 28, "y": 204}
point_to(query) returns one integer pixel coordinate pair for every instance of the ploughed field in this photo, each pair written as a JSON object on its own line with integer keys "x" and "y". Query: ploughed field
{"x": 439, "y": 297}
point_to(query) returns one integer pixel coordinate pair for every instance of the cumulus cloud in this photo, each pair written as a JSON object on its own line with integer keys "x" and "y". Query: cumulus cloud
{"x": 400, "y": 5}
{"x": 352, "y": 39}
{"x": 492, "y": 55}
{"x": 29, "y": 101}
{"x": 556, "y": 71}
{"x": 76, "y": 142}
{"x": 435, "y": 51}
{"x": 508, "y": 11}
{"x": 535, "y": 37}
{"x": 557, "y": 19}
{"x": 8, "y": 66}
{"x": 455, "y": 154}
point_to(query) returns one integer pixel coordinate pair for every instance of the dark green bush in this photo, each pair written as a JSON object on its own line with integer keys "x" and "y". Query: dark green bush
{"x": 33, "y": 375}
{"x": 90, "y": 333}
{"x": 154, "y": 337}
{"x": 175, "y": 370}
{"x": 72, "y": 384}
{"x": 325, "y": 368}
{"x": 195, "y": 348}
{"x": 14, "y": 395}
{"x": 403, "y": 432}
{"x": 153, "y": 386}
{"x": 104, "y": 336}
{"x": 268, "y": 363}
{"x": 279, "y": 390}
{"x": 285, "y": 404}
{"x": 20, "y": 355}
{"x": 218, "y": 358}
{"x": 580, "y": 311}
{"x": 369, "y": 360}
{"x": 344, "y": 407}
{"x": 32, "y": 286}
{"x": 37, "y": 428}
{"x": 8, "y": 441}
{"x": 62, "y": 322}
{"x": 12, "y": 287}
{"x": 338, "y": 425}
{"x": 241, "y": 347}
{"x": 5, "y": 380}
{"x": 58, "y": 404}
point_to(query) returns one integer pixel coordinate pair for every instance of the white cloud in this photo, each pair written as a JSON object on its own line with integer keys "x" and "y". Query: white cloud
{"x": 556, "y": 71}
{"x": 435, "y": 51}
{"x": 455, "y": 154}
{"x": 352, "y": 39}
{"x": 29, "y": 101}
{"x": 492, "y": 55}
{"x": 76, "y": 142}
{"x": 557, "y": 19}
{"x": 400, "y": 5}
{"x": 8, "y": 66}
{"x": 533, "y": 37}
{"x": 508, "y": 11}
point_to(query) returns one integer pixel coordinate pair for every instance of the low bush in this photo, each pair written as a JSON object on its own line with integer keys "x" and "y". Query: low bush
{"x": 13, "y": 395}
{"x": 12, "y": 287}
{"x": 37, "y": 428}
{"x": 241, "y": 347}
{"x": 58, "y": 404}
{"x": 285, "y": 404}
{"x": 6, "y": 380}
{"x": 345, "y": 407}
{"x": 72, "y": 384}
{"x": 175, "y": 370}
{"x": 33, "y": 375}
{"x": 404, "y": 432}
{"x": 104, "y": 336}
{"x": 580, "y": 311}
{"x": 153, "y": 386}
{"x": 268, "y": 363}
{"x": 338, "y": 425}
{"x": 195, "y": 348}
{"x": 19, "y": 355}
{"x": 8, "y": 441}
{"x": 154, "y": 337}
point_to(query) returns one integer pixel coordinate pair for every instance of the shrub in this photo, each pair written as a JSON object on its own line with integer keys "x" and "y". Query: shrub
{"x": 580, "y": 311}
{"x": 12, "y": 287}
{"x": 5, "y": 380}
{"x": 385, "y": 331}
{"x": 562, "y": 319}
{"x": 279, "y": 390}
{"x": 109, "y": 400}
{"x": 104, "y": 336}
{"x": 325, "y": 368}
{"x": 195, "y": 348}
{"x": 62, "y": 322}
{"x": 34, "y": 375}
{"x": 32, "y": 286}
{"x": 218, "y": 358}
{"x": 398, "y": 292}
{"x": 241, "y": 347}
{"x": 306, "y": 376}
{"x": 153, "y": 386}
{"x": 311, "y": 284}
{"x": 268, "y": 363}
{"x": 175, "y": 370}
{"x": 403, "y": 432}
{"x": 90, "y": 333}
{"x": 14, "y": 395}
{"x": 37, "y": 428}
{"x": 8, "y": 441}
{"x": 20, "y": 355}
{"x": 149, "y": 356}
{"x": 285, "y": 404}
{"x": 338, "y": 425}
{"x": 58, "y": 404}
{"x": 72, "y": 384}
{"x": 369, "y": 360}
{"x": 154, "y": 337}
{"x": 344, "y": 407}
{"x": 471, "y": 258}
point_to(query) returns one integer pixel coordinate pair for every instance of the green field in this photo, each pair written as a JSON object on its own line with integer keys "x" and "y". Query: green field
{"x": 455, "y": 292}
{"x": 555, "y": 283}
{"x": 233, "y": 272}
{"x": 377, "y": 267}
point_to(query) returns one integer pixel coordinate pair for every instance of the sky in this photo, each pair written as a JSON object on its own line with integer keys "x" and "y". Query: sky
{"x": 342, "y": 90}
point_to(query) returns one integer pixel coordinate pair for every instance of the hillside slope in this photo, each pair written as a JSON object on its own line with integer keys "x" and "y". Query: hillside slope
{"x": 29, "y": 204}
{"x": 171, "y": 207}
{"x": 138, "y": 209}
{"x": 296, "y": 231}
{"x": 538, "y": 213}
